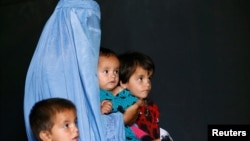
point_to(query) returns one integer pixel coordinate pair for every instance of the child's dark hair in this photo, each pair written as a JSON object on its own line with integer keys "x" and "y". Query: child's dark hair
{"x": 129, "y": 61}
{"x": 107, "y": 52}
{"x": 43, "y": 111}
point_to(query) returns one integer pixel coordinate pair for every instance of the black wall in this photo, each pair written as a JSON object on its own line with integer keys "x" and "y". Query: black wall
{"x": 200, "y": 48}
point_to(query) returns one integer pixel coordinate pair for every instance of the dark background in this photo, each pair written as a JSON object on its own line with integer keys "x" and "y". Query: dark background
{"x": 200, "y": 47}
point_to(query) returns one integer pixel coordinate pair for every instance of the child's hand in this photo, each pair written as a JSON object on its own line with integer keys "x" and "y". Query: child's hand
{"x": 106, "y": 107}
{"x": 140, "y": 102}
{"x": 131, "y": 113}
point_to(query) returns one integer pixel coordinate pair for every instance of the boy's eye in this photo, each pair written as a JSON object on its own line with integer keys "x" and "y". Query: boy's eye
{"x": 105, "y": 71}
{"x": 66, "y": 125}
{"x": 116, "y": 71}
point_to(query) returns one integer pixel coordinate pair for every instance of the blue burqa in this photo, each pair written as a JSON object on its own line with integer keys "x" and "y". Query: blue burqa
{"x": 64, "y": 65}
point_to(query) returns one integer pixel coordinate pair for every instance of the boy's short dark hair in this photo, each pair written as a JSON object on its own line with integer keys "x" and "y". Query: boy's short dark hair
{"x": 130, "y": 60}
{"x": 107, "y": 52}
{"x": 42, "y": 112}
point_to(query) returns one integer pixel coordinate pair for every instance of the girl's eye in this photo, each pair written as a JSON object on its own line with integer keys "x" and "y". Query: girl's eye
{"x": 140, "y": 78}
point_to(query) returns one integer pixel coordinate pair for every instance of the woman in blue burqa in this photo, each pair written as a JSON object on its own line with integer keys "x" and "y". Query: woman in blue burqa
{"x": 64, "y": 65}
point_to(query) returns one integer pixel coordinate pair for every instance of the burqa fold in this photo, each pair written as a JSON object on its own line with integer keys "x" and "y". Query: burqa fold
{"x": 64, "y": 65}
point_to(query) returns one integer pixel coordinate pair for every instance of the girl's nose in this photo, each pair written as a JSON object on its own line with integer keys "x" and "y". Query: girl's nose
{"x": 148, "y": 83}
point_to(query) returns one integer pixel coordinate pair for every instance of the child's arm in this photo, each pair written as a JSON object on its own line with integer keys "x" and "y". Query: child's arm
{"x": 106, "y": 107}
{"x": 131, "y": 113}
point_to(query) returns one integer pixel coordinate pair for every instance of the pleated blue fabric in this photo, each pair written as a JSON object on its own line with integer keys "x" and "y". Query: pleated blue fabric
{"x": 64, "y": 65}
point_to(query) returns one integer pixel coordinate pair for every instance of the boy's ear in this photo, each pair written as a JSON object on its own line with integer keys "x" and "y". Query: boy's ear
{"x": 123, "y": 85}
{"x": 45, "y": 136}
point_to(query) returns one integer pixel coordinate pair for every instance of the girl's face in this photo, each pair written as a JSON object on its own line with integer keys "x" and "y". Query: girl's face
{"x": 64, "y": 128}
{"x": 139, "y": 83}
{"x": 108, "y": 72}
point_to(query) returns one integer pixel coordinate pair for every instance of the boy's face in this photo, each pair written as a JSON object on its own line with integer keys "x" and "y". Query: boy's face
{"x": 64, "y": 128}
{"x": 139, "y": 83}
{"x": 108, "y": 72}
